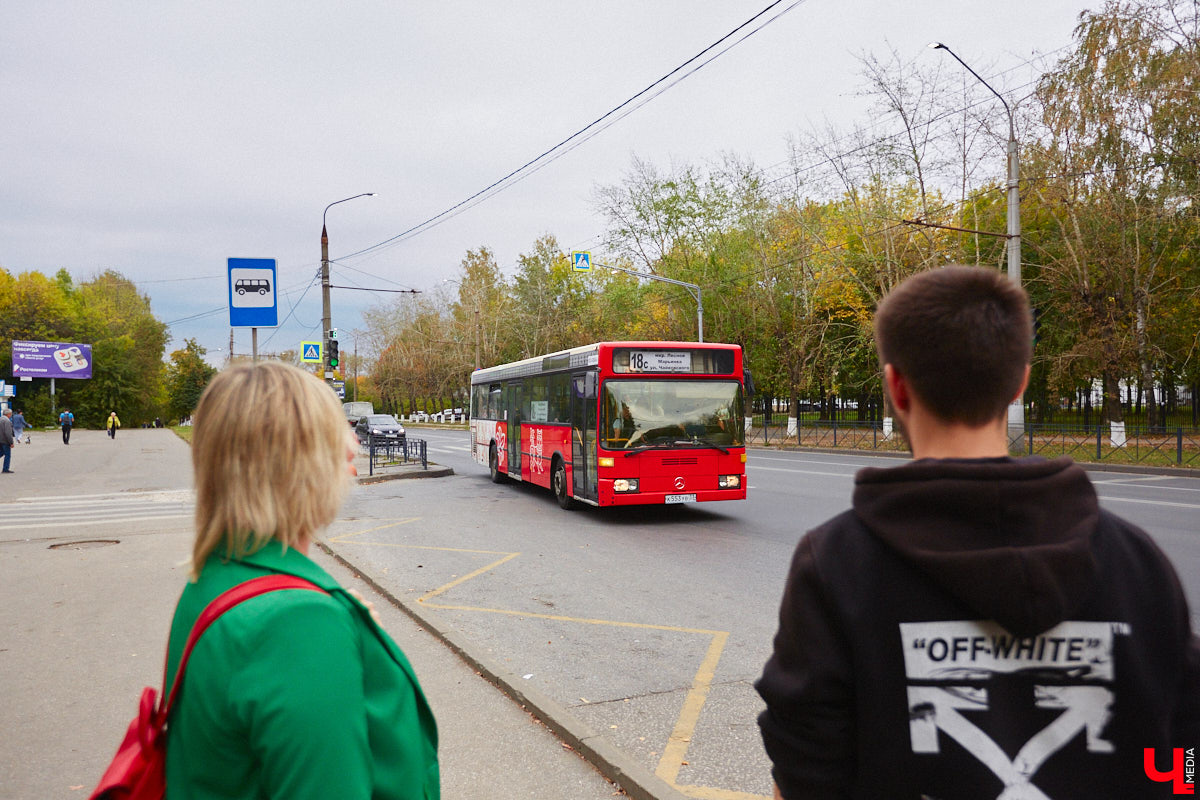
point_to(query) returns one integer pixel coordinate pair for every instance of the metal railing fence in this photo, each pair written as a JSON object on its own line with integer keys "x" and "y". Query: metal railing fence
{"x": 385, "y": 452}
{"x": 1178, "y": 447}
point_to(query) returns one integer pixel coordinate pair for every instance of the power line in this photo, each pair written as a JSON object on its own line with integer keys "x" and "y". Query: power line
{"x": 509, "y": 178}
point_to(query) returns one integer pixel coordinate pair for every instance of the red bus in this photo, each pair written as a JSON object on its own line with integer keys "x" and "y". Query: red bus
{"x": 616, "y": 423}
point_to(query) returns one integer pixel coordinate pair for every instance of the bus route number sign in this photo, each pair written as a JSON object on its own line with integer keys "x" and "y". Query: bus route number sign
{"x": 660, "y": 361}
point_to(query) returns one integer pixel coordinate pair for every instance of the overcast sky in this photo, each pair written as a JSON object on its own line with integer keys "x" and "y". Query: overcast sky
{"x": 159, "y": 139}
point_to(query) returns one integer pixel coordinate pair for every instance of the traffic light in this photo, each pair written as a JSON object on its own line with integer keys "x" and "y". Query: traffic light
{"x": 333, "y": 354}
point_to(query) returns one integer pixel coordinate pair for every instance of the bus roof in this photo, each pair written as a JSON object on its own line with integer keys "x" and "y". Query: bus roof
{"x": 583, "y": 356}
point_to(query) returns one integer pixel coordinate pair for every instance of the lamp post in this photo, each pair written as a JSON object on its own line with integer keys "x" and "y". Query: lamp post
{"x": 326, "y": 322}
{"x": 1016, "y": 409}
{"x": 693, "y": 290}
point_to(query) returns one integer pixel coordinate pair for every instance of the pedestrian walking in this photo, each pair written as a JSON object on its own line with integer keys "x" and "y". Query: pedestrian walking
{"x": 6, "y": 439}
{"x": 67, "y": 420}
{"x": 19, "y": 426}
{"x": 976, "y": 625}
{"x": 298, "y": 691}
{"x": 113, "y": 424}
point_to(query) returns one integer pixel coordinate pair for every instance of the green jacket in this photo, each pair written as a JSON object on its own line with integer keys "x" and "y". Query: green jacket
{"x": 294, "y": 694}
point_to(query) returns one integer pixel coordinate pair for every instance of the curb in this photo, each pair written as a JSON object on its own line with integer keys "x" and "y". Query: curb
{"x": 434, "y": 471}
{"x": 620, "y": 768}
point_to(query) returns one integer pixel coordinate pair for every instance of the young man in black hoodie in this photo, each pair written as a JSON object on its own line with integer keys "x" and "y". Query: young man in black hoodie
{"x": 976, "y": 626}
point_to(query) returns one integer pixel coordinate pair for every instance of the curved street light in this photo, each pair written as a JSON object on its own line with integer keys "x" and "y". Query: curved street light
{"x": 1016, "y": 410}
{"x": 326, "y": 321}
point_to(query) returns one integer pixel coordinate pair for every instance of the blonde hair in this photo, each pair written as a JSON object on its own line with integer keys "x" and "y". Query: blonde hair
{"x": 269, "y": 457}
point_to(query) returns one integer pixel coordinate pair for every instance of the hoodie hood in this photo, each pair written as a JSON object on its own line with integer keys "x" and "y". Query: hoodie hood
{"x": 1011, "y": 538}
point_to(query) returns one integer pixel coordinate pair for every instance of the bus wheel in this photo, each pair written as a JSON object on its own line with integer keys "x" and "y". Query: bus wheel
{"x": 494, "y": 465}
{"x": 559, "y": 482}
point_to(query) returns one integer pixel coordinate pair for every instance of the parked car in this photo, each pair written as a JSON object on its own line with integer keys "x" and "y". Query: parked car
{"x": 382, "y": 426}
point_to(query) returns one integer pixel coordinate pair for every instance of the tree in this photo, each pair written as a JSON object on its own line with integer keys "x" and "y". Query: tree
{"x": 1120, "y": 183}
{"x": 128, "y": 343}
{"x": 187, "y": 376}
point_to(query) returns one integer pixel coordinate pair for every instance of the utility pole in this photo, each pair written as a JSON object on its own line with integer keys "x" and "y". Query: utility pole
{"x": 326, "y": 320}
{"x": 1016, "y": 409}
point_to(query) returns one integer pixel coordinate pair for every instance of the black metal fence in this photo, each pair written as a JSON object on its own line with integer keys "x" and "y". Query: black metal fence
{"x": 390, "y": 452}
{"x": 1178, "y": 447}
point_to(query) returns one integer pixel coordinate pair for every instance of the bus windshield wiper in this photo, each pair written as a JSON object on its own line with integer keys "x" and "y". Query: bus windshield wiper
{"x": 702, "y": 441}
{"x": 643, "y": 448}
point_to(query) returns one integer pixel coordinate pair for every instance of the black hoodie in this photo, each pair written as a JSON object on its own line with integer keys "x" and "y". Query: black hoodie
{"x": 979, "y": 629}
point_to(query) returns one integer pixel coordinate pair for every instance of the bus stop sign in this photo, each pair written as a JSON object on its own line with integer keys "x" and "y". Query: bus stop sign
{"x": 253, "y": 299}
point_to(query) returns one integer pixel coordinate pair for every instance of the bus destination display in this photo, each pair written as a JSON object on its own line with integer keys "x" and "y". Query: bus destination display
{"x": 660, "y": 361}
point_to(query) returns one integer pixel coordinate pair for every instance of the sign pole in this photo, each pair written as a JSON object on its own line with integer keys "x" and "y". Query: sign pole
{"x": 254, "y": 345}
{"x": 53, "y": 405}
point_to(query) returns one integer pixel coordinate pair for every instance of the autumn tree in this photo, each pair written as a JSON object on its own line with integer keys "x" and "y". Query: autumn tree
{"x": 187, "y": 376}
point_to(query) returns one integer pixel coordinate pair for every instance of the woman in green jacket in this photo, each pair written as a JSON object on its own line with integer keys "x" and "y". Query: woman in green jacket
{"x": 293, "y": 694}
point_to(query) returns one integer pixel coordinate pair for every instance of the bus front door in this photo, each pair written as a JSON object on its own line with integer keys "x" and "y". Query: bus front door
{"x": 583, "y": 435}
{"x": 512, "y": 413}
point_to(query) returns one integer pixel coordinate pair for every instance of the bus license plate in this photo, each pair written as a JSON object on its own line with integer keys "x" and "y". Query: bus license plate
{"x": 680, "y": 498}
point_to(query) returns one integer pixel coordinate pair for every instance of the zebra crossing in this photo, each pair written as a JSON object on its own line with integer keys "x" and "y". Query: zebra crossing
{"x": 86, "y": 510}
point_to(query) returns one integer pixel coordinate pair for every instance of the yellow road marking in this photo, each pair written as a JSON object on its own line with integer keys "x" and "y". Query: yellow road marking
{"x": 677, "y": 746}
{"x": 713, "y": 793}
{"x": 466, "y": 578}
{"x": 345, "y": 536}
{"x": 675, "y": 753}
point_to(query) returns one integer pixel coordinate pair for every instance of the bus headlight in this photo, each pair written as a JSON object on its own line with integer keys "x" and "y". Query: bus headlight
{"x": 623, "y": 485}
{"x": 729, "y": 481}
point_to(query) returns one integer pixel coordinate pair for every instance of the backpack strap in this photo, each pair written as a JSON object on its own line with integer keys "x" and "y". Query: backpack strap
{"x": 222, "y": 603}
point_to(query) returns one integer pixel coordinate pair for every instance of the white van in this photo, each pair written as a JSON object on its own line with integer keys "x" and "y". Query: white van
{"x": 356, "y": 410}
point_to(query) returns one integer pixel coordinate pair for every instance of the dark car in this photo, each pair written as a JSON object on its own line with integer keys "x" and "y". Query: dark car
{"x": 383, "y": 427}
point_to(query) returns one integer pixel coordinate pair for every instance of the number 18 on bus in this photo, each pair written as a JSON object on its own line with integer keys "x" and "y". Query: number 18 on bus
{"x": 617, "y": 423}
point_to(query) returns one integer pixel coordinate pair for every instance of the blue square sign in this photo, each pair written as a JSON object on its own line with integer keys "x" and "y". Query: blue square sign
{"x": 253, "y": 300}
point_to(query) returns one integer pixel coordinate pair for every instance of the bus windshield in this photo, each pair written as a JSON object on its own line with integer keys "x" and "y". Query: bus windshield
{"x": 671, "y": 413}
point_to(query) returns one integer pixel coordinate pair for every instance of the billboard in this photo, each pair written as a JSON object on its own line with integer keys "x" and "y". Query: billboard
{"x": 51, "y": 360}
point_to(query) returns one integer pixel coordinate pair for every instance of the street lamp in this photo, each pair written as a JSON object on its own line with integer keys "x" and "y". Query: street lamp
{"x": 1016, "y": 409}
{"x": 692, "y": 289}
{"x": 326, "y": 322}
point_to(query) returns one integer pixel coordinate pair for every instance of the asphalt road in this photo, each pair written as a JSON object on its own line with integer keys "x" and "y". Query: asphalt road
{"x": 650, "y": 624}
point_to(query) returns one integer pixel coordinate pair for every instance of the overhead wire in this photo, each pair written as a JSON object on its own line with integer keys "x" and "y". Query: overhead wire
{"x": 599, "y": 123}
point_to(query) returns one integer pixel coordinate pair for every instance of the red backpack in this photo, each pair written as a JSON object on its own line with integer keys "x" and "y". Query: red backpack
{"x": 138, "y": 770}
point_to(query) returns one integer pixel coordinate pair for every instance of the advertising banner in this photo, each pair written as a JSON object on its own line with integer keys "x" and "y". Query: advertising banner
{"x": 51, "y": 360}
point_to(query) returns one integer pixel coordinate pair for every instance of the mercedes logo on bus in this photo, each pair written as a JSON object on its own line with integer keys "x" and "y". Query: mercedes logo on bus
{"x": 679, "y": 483}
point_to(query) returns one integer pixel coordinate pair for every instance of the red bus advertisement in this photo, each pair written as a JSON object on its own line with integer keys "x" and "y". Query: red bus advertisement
{"x": 616, "y": 423}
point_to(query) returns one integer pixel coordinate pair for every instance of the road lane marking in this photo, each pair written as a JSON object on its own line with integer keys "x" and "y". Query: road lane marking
{"x": 675, "y": 752}
{"x": 1148, "y": 502}
{"x": 750, "y": 466}
{"x": 95, "y": 521}
{"x": 131, "y": 495}
{"x": 467, "y": 577}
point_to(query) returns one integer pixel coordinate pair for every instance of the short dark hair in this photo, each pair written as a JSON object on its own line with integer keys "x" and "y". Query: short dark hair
{"x": 962, "y": 337}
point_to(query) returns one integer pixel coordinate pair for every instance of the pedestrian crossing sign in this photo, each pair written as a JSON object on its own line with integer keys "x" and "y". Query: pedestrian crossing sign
{"x": 581, "y": 261}
{"x": 310, "y": 352}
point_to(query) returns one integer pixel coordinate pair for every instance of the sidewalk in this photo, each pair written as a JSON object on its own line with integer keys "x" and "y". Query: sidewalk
{"x": 88, "y": 604}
